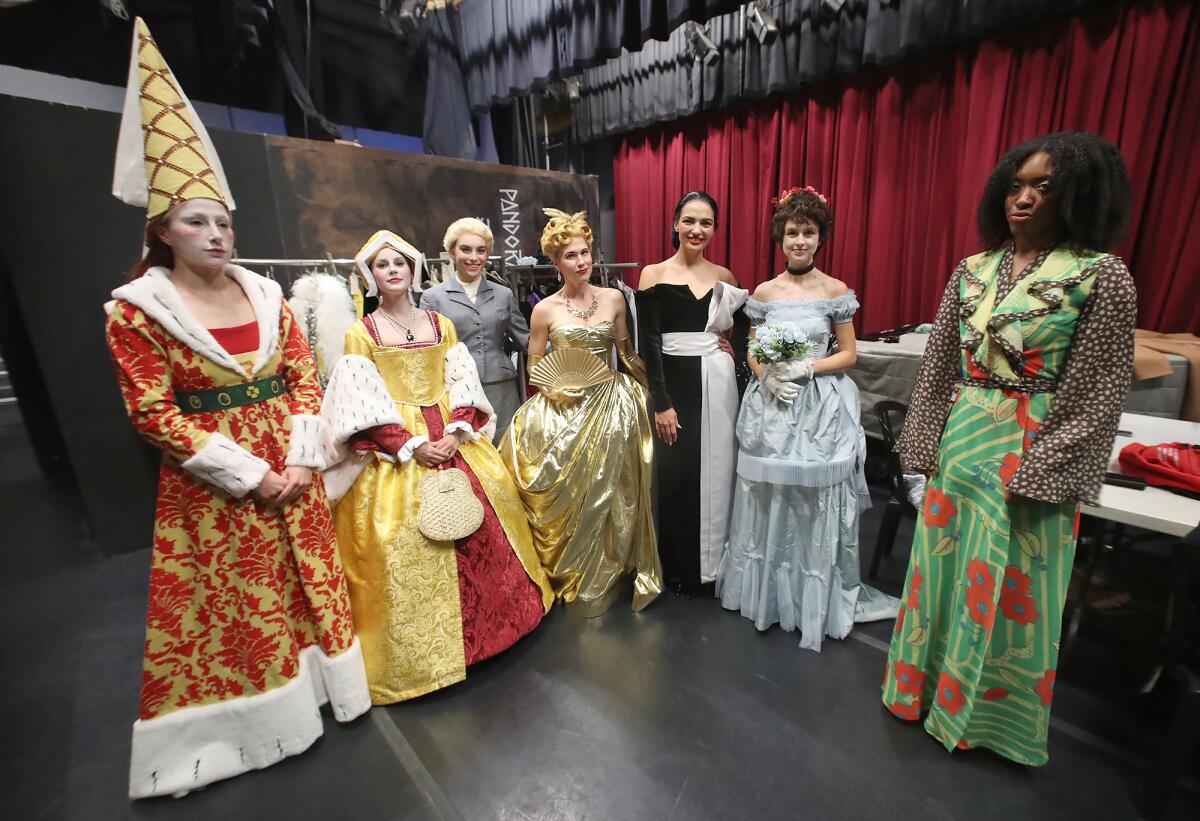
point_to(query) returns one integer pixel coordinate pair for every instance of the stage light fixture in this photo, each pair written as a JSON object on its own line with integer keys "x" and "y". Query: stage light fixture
{"x": 762, "y": 22}
{"x": 567, "y": 90}
{"x": 402, "y": 17}
{"x": 702, "y": 45}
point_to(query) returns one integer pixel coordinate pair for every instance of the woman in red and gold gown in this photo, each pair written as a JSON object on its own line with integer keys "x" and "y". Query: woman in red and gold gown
{"x": 248, "y": 629}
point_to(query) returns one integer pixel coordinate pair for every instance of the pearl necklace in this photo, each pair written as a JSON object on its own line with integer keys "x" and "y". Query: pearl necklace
{"x": 399, "y": 326}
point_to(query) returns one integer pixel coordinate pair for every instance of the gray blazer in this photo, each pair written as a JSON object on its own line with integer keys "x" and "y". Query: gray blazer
{"x": 485, "y": 327}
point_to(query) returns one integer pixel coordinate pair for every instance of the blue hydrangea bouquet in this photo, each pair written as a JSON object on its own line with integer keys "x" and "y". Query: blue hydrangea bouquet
{"x": 779, "y": 343}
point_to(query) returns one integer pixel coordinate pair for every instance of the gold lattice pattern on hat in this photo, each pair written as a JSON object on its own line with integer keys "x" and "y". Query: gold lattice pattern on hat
{"x": 177, "y": 164}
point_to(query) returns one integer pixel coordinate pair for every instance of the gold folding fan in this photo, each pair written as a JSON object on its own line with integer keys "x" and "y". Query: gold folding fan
{"x": 569, "y": 370}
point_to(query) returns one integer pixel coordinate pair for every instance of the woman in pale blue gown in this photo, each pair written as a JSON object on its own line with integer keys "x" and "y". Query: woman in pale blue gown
{"x": 792, "y": 556}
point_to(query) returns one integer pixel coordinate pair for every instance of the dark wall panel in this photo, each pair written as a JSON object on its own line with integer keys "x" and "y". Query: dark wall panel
{"x": 66, "y": 243}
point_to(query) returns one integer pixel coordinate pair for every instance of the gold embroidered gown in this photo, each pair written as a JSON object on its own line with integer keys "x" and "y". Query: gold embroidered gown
{"x": 425, "y": 610}
{"x": 584, "y": 470}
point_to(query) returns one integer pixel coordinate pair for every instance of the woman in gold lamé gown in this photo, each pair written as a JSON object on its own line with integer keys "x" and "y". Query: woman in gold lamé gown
{"x": 405, "y": 398}
{"x": 582, "y": 460}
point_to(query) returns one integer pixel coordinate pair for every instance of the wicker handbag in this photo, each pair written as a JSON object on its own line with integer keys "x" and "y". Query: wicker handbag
{"x": 449, "y": 508}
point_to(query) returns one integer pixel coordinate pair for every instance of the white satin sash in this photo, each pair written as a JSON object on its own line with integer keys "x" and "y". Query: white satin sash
{"x": 719, "y": 410}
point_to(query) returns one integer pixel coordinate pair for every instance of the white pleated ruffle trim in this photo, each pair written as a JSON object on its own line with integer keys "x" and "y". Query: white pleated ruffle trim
{"x": 818, "y": 606}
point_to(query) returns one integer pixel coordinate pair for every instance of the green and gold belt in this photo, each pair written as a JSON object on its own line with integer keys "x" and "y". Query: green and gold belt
{"x": 231, "y": 396}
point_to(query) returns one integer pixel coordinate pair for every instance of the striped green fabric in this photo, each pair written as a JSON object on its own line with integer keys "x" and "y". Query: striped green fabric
{"x": 977, "y": 639}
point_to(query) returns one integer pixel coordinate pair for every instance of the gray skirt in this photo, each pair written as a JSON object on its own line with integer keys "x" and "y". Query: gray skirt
{"x": 505, "y": 398}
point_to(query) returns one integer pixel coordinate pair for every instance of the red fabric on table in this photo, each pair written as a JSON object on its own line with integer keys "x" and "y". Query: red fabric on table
{"x": 904, "y": 152}
{"x": 238, "y": 339}
{"x": 499, "y": 602}
{"x": 1171, "y": 464}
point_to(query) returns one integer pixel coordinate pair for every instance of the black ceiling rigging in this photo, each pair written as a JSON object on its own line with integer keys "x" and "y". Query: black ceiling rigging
{"x": 317, "y": 62}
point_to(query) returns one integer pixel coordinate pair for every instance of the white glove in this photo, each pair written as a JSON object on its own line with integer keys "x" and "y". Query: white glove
{"x": 792, "y": 370}
{"x": 785, "y": 392}
{"x": 914, "y": 488}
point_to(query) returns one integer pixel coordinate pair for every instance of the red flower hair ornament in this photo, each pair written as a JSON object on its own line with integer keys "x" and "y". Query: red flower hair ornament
{"x": 784, "y": 196}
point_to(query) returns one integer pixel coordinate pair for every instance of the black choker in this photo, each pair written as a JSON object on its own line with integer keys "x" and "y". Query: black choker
{"x": 799, "y": 272}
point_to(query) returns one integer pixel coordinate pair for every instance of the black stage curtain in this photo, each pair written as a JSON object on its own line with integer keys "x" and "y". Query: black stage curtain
{"x": 663, "y": 81}
{"x": 448, "y": 128}
{"x": 509, "y": 48}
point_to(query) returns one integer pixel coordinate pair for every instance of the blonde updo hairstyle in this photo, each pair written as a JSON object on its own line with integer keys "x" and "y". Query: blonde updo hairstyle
{"x": 467, "y": 225}
{"x": 562, "y": 230}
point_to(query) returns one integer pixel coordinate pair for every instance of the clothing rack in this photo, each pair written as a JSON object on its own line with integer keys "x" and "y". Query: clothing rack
{"x": 544, "y": 272}
{"x": 496, "y": 274}
{"x": 293, "y": 262}
{"x": 329, "y": 265}
{"x": 514, "y": 275}
{"x": 293, "y": 269}
{"x": 547, "y": 267}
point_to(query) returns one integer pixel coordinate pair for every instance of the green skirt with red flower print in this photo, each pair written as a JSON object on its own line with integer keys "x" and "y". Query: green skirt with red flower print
{"x": 977, "y": 638}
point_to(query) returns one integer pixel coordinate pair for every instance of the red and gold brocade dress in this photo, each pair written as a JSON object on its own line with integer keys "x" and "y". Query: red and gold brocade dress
{"x": 248, "y": 628}
{"x": 423, "y": 609}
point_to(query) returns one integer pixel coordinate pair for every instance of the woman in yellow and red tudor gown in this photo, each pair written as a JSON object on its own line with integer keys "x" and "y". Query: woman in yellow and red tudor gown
{"x": 404, "y": 399}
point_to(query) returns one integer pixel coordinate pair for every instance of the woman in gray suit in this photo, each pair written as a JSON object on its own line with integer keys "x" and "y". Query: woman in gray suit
{"x": 484, "y": 314}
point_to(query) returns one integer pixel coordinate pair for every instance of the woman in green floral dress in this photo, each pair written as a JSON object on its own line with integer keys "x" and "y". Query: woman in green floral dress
{"x": 1013, "y": 418}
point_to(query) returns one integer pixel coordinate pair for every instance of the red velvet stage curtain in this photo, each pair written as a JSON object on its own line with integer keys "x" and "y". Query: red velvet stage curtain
{"x": 903, "y": 153}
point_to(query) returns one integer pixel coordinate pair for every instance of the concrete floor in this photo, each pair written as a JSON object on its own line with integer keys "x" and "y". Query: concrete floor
{"x": 683, "y": 711}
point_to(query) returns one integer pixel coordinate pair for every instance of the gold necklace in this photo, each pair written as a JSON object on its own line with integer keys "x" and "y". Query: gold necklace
{"x": 585, "y": 314}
